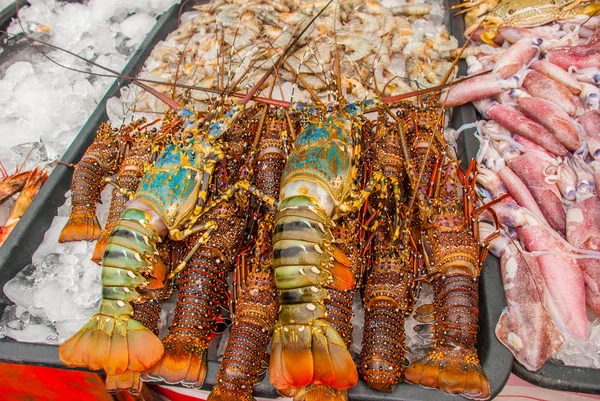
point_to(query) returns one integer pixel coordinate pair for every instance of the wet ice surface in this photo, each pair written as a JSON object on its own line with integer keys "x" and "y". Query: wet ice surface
{"x": 37, "y": 96}
{"x": 579, "y": 352}
{"x": 60, "y": 289}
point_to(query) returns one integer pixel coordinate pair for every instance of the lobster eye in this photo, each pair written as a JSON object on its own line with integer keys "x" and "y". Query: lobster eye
{"x": 511, "y": 11}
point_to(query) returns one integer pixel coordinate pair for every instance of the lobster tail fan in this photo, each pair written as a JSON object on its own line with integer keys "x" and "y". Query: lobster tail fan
{"x": 453, "y": 374}
{"x": 113, "y": 344}
{"x": 302, "y": 356}
{"x": 183, "y": 362}
{"x": 128, "y": 380}
{"x": 99, "y": 250}
{"x": 81, "y": 228}
{"x": 317, "y": 392}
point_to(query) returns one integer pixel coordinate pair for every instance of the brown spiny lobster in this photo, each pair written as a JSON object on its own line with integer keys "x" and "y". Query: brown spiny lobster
{"x": 256, "y": 310}
{"x": 388, "y": 292}
{"x": 453, "y": 256}
{"x": 202, "y": 284}
{"x": 127, "y": 181}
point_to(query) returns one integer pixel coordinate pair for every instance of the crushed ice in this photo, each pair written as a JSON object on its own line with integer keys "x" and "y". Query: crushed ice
{"x": 60, "y": 290}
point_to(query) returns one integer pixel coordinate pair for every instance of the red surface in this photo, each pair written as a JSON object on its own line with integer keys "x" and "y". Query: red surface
{"x": 34, "y": 383}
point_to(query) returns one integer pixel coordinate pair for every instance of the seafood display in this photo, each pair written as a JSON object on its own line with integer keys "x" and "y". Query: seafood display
{"x": 539, "y": 155}
{"x": 300, "y": 150}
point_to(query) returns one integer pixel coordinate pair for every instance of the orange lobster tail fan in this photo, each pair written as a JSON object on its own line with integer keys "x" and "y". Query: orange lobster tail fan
{"x": 303, "y": 357}
{"x": 127, "y": 380}
{"x": 184, "y": 361}
{"x": 99, "y": 250}
{"x": 320, "y": 393}
{"x": 113, "y": 344}
{"x": 453, "y": 374}
{"x": 81, "y": 228}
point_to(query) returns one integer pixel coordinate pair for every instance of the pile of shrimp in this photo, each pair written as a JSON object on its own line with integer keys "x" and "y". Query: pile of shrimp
{"x": 396, "y": 49}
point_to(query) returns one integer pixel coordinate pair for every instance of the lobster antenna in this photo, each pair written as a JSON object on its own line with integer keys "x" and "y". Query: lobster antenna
{"x": 338, "y": 71}
{"x": 308, "y": 88}
{"x": 252, "y": 91}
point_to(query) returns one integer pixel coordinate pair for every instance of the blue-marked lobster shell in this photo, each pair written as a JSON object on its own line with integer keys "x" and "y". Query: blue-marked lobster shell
{"x": 317, "y": 187}
{"x": 169, "y": 200}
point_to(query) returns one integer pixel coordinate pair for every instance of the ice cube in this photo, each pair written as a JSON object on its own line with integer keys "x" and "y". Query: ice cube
{"x": 18, "y": 71}
{"x": 20, "y": 290}
{"x": 136, "y": 27}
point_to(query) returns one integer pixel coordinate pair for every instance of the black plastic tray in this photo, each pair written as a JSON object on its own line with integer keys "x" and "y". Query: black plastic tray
{"x": 28, "y": 235}
{"x": 552, "y": 374}
{"x": 9, "y": 12}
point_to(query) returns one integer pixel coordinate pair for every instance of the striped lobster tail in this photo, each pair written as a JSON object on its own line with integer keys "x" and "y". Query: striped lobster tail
{"x": 128, "y": 180}
{"x": 98, "y": 162}
{"x": 305, "y": 346}
{"x": 112, "y": 340}
{"x": 452, "y": 363}
{"x": 387, "y": 297}
{"x": 256, "y": 311}
{"x": 202, "y": 287}
{"x": 148, "y": 314}
{"x": 246, "y": 353}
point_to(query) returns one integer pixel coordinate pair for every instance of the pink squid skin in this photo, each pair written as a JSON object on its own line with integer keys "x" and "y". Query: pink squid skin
{"x": 519, "y": 192}
{"x": 528, "y": 145}
{"x": 543, "y": 87}
{"x": 583, "y": 232}
{"x": 583, "y": 56}
{"x": 481, "y": 87}
{"x": 525, "y": 326}
{"x": 517, "y": 123}
{"x": 553, "y": 118}
{"x": 590, "y": 122}
{"x": 558, "y": 74}
{"x": 563, "y": 277}
{"x": 516, "y": 56}
{"x": 531, "y": 169}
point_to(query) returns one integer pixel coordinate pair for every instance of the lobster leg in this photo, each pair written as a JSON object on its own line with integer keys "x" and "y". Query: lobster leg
{"x": 245, "y": 185}
{"x": 209, "y": 227}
